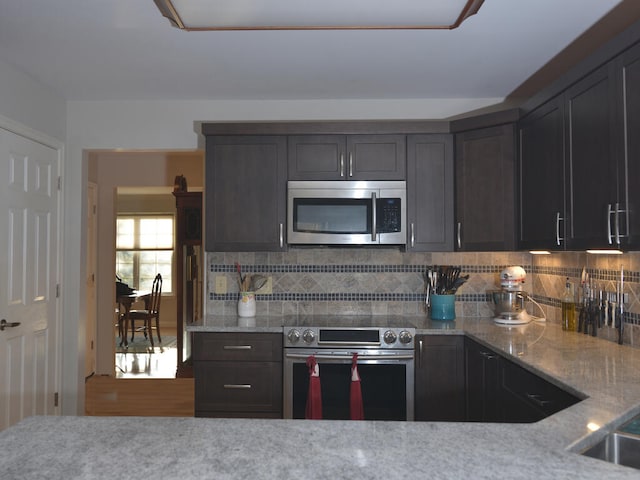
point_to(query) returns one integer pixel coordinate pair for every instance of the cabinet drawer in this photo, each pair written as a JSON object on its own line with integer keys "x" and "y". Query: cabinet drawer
{"x": 238, "y": 387}
{"x": 238, "y": 347}
{"x": 535, "y": 391}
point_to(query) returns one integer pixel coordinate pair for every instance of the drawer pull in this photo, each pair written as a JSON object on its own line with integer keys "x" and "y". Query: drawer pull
{"x": 538, "y": 399}
{"x": 237, "y": 387}
{"x": 237, "y": 347}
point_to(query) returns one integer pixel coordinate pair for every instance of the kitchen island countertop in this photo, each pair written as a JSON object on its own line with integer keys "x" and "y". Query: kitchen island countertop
{"x": 605, "y": 374}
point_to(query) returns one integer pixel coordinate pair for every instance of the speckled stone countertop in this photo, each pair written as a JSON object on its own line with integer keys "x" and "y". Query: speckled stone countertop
{"x": 607, "y": 374}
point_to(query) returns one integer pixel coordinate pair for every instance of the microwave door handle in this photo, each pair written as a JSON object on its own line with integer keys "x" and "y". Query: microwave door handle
{"x": 373, "y": 212}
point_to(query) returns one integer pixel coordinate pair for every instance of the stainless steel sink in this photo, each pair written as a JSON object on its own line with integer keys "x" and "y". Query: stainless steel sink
{"x": 619, "y": 448}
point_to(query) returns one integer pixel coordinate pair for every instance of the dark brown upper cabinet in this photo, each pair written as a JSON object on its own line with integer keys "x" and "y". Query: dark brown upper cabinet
{"x": 579, "y": 158}
{"x": 246, "y": 184}
{"x": 626, "y": 227}
{"x": 591, "y": 168}
{"x": 541, "y": 178}
{"x": 568, "y": 167}
{"x": 430, "y": 193}
{"x": 485, "y": 189}
{"x": 347, "y": 157}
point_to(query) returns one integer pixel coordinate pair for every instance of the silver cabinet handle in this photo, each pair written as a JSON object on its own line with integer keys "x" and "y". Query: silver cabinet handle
{"x": 237, "y": 347}
{"x": 237, "y": 386}
{"x": 374, "y": 215}
{"x": 558, "y": 238}
{"x": 488, "y": 355}
{"x": 413, "y": 236}
{"x": 538, "y": 399}
{"x": 420, "y": 353}
{"x": 459, "y": 235}
{"x": 609, "y": 212}
{"x": 4, "y": 324}
{"x": 350, "y": 164}
{"x": 281, "y": 235}
{"x": 342, "y": 164}
{"x": 617, "y": 223}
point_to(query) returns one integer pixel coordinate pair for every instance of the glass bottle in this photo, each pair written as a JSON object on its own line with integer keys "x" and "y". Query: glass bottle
{"x": 568, "y": 308}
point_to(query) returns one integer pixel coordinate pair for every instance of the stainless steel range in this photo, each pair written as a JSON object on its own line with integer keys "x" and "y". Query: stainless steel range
{"x": 385, "y": 364}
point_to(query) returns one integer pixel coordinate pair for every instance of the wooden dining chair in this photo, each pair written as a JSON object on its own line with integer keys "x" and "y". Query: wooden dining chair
{"x": 151, "y": 312}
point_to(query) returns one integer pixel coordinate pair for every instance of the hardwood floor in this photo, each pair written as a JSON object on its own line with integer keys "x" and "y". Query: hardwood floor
{"x": 145, "y": 385}
{"x": 147, "y": 397}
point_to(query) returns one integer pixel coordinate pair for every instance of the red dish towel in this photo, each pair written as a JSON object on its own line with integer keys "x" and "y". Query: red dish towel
{"x": 355, "y": 402}
{"x": 313, "y": 410}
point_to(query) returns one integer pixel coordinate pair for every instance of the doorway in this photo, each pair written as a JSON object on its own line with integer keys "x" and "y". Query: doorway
{"x": 118, "y": 173}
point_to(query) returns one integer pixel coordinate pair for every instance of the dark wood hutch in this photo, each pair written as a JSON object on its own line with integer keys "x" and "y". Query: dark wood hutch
{"x": 190, "y": 259}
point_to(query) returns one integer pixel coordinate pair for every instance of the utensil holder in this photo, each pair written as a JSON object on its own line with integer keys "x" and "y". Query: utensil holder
{"x": 247, "y": 304}
{"x": 443, "y": 307}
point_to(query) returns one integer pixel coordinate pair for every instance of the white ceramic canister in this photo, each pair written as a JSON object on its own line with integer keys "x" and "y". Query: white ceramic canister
{"x": 247, "y": 304}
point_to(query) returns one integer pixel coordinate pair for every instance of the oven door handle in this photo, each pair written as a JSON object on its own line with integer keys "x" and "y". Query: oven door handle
{"x": 349, "y": 357}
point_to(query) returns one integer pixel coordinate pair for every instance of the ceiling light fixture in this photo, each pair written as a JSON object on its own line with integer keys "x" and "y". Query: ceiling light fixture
{"x": 202, "y": 15}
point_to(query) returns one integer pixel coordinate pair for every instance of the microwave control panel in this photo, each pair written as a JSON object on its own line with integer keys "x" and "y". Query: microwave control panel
{"x": 388, "y": 215}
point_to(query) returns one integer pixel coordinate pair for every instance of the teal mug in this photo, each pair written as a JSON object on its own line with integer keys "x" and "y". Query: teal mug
{"x": 443, "y": 307}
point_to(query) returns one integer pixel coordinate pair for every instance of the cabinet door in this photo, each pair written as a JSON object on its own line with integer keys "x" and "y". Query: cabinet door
{"x": 591, "y": 168}
{"x": 439, "y": 378}
{"x": 237, "y": 347}
{"x": 317, "y": 157}
{"x": 376, "y": 157}
{"x": 246, "y": 181}
{"x": 430, "y": 192}
{"x": 483, "y": 401}
{"x": 347, "y": 157}
{"x": 237, "y": 387}
{"x": 629, "y": 197}
{"x": 485, "y": 194}
{"x": 528, "y": 397}
{"x": 541, "y": 178}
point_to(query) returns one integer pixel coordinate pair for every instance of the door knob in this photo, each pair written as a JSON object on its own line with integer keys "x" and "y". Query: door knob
{"x": 4, "y": 324}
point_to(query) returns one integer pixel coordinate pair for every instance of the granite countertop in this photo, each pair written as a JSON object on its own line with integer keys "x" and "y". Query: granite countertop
{"x": 605, "y": 374}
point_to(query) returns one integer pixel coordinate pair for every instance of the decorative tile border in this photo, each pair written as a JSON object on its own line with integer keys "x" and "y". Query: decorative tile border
{"x": 346, "y": 297}
{"x": 376, "y": 268}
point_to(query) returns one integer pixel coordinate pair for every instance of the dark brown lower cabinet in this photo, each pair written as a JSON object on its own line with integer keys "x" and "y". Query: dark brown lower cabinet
{"x": 238, "y": 374}
{"x": 498, "y": 390}
{"x": 439, "y": 378}
{"x": 458, "y": 379}
{"x": 482, "y": 392}
{"x": 527, "y": 397}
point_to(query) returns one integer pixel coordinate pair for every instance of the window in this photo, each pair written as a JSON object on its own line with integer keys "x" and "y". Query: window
{"x": 144, "y": 248}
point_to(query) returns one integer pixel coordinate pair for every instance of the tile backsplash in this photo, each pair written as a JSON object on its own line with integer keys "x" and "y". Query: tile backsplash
{"x": 360, "y": 281}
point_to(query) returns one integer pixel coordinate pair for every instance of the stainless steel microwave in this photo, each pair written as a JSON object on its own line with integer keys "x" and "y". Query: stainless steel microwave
{"x": 346, "y": 212}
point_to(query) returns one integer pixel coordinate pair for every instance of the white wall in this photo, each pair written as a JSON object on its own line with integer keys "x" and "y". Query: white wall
{"x": 24, "y": 100}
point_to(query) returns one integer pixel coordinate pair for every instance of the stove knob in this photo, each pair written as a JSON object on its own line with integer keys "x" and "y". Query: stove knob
{"x": 308, "y": 336}
{"x": 389, "y": 337}
{"x": 293, "y": 336}
{"x": 405, "y": 337}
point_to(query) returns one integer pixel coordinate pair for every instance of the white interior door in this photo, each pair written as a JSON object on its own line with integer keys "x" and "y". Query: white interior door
{"x": 28, "y": 276}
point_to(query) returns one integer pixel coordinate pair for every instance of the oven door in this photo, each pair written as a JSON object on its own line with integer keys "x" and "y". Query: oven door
{"x": 386, "y": 380}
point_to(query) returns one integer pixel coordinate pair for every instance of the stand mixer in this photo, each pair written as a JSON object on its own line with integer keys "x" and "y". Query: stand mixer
{"x": 509, "y": 302}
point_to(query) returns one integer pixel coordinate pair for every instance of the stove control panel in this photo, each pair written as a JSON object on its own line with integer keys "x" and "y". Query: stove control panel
{"x": 346, "y": 337}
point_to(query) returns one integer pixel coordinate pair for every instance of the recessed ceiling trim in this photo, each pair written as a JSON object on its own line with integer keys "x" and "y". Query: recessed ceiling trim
{"x": 204, "y": 15}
